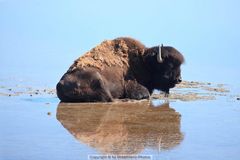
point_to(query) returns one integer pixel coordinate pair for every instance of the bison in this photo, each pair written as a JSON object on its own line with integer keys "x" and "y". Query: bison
{"x": 120, "y": 68}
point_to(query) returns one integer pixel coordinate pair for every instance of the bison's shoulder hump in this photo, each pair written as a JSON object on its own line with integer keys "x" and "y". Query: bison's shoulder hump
{"x": 131, "y": 43}
{"x": 106, "y": 54}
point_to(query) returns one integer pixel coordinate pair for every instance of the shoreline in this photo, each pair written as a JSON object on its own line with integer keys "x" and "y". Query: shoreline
{"x": 185, "y": 91}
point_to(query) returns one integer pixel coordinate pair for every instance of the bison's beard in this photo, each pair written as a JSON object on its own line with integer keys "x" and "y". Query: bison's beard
{"x": 164, "y": 84}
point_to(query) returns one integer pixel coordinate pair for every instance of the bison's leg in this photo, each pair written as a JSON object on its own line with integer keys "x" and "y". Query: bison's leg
{"x": 134, "y": 90}
{"x": 83, "y": 86}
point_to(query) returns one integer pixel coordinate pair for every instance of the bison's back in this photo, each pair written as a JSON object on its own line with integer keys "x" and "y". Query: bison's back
{"x": 110, "y": 53}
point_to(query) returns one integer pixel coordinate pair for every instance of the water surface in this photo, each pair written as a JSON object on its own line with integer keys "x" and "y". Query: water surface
{"x": 39, "y": 127}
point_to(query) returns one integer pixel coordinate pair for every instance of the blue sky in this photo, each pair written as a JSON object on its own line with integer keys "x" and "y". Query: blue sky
{"x": 43, "y": 37}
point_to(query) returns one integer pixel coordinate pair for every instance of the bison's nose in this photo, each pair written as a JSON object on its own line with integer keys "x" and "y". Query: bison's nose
{"x": 179, "y": 80}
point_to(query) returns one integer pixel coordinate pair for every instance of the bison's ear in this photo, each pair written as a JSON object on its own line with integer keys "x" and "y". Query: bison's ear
{"x": 159, "y": 56}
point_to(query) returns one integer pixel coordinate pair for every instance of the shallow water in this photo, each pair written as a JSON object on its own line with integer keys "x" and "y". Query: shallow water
{"x": 39, "y": 127}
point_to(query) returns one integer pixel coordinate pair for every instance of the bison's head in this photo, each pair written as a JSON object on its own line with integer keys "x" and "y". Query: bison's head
{"x": 164, "y": 63}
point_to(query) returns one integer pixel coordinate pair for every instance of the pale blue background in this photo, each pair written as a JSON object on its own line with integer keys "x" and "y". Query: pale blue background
{"x": 41, "y": 38}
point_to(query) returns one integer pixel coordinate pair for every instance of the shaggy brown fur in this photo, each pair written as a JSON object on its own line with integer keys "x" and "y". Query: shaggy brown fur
{"x": 110, "y": 53}
{"x": 120, "y": 68}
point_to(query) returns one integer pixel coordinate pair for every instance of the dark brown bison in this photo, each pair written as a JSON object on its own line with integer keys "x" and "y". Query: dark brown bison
{"x": 120, "y": 68}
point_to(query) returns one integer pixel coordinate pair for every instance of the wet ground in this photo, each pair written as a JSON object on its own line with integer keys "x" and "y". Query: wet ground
{"x": 199, "y": 120}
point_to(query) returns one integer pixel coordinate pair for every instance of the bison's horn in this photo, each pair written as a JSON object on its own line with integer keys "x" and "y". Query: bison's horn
{"x": 159, "y": 56}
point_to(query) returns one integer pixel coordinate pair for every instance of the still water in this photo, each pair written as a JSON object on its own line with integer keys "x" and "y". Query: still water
{"x": 39, "y": 127}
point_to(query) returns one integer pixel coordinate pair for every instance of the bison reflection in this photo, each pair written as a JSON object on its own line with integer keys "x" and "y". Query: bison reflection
{"x": 122, "y": 128}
